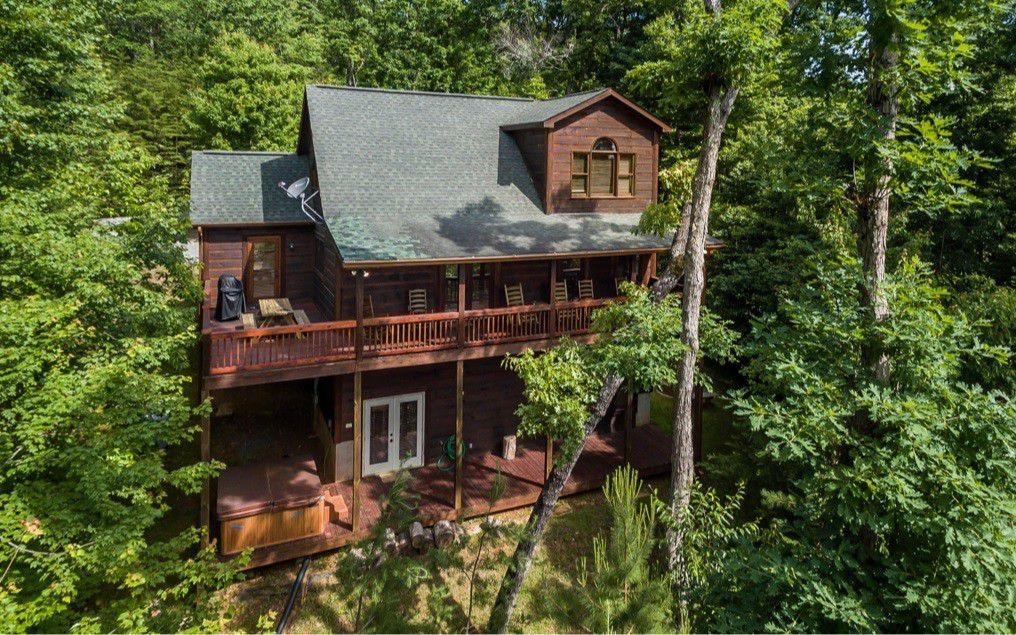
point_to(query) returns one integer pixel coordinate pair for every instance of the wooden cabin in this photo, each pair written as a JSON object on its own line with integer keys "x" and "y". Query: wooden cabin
{"x": 438, "y": 233}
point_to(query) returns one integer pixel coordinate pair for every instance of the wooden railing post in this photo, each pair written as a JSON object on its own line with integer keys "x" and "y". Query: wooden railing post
{"x": 358, "y": 339}
{"x": 462, "y": 306}
{"x": 458, "y": 433}
{"x": 357, "y": 447}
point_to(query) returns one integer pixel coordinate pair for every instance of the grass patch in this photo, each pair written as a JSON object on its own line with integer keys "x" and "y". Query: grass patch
{"x": 323, "y": 606}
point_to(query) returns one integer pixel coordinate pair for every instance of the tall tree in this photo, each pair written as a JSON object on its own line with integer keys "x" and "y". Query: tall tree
{"x": 704, "y": 52}
{"x": 698, "y": 42}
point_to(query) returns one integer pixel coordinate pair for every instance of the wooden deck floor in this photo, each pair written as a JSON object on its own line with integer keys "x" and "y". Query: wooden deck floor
{"x": 603, "y": 453}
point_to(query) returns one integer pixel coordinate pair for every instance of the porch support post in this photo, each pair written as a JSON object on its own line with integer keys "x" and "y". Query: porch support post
{"x": 553, "y": 299}
{"x": 462, "y": 305}
{"x": 206, "y": 485}
{"x": 357, "y": 442}
{"x": 339, "y": 271}
{"x": 359, "y": 315}
{"x": 458, "y": 434}
{"x": 649, "y": 270}
{"x": 548, "y": 459}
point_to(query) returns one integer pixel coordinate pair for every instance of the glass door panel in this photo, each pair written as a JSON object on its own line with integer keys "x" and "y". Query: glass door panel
{"x": 409, "y": 431}
{"x": 378, "y": 438}
{"x": 262, "y": 270}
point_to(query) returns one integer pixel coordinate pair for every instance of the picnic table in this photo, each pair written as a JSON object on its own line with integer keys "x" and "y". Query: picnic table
{"x": 275, "y": 311}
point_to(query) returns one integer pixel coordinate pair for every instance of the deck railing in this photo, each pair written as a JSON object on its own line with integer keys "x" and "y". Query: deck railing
{"x": 323, "y": 342}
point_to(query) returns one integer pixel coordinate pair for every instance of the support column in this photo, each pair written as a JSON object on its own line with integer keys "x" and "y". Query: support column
{"x": 358, "y": 339}
{"x": 206, "y": 484}
{"x": 459, "y": 372}
{"x": 463, "y": 270}
{"x": 357, "y": 446}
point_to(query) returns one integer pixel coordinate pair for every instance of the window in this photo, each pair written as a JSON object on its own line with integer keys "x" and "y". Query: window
{"x": 451, "y": 287}
{"x": 262, "y": 267}
{"x": 603, "y": 171}
{"x": 481, "y": 287}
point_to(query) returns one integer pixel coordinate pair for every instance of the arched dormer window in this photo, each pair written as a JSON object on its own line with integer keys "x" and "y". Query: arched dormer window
{"x": 603, "y": 172}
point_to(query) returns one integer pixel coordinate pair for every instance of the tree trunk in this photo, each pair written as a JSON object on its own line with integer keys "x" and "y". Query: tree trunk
{"x": 504, "y": 605}
{"x": 721, "y": 102}
{"x": 873, "y": 207}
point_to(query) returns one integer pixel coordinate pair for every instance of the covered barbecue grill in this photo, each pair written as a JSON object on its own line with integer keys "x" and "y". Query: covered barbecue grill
{"x": 230, "y": 303}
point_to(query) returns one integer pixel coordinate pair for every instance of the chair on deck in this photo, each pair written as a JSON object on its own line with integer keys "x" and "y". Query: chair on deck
{"x": 561, "y": 291}
{"x": 249, "y": 323}
{"x": 513, "y": 295}
{"x": 417, "y": 301}
{"x": 585, "y": 289}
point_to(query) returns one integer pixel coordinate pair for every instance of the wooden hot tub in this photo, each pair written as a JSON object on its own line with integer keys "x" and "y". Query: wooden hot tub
{"x": 269, "y": 503}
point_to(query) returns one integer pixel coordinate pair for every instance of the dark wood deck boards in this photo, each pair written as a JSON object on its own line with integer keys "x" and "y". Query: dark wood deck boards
{"x": 523, "y": 481}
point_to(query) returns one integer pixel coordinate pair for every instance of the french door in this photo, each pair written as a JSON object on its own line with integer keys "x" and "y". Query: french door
{"x": 262, "y": 267}
{"x": 392, "y": 433}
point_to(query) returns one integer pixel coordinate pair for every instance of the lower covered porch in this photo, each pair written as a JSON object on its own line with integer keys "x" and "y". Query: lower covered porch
{"x": 434, "y": 488}
{"x": 309, "y": 462}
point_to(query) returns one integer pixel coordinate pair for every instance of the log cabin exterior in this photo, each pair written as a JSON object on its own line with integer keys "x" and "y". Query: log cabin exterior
{"x": 458, "y": 201}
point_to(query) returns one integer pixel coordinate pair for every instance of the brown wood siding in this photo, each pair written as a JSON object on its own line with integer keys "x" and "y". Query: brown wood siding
{"x": 222, "y": 249}
{"x": 577, "y": 133}
{"x": 325, "y": 270}
{"x": 491, "y": 396}
{"x": 534, "y": 275}
{"x": 533, "y": 144}
{"x": 388, "y": 290}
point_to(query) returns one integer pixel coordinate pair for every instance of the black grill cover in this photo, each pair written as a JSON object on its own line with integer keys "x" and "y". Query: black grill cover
{"x": 230, "y": 303}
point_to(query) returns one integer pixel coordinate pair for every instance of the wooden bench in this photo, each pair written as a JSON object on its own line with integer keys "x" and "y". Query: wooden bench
{"x": 301, "y": 317}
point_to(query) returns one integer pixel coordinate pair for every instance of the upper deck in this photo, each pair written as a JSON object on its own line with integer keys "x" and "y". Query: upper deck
{"x": 465, "y": 317}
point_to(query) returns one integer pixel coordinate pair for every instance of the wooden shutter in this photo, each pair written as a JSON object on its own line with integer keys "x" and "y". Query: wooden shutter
{"x": 580, "y": 173}
{"x": 601, "y": 175}
{"x": 626, "y": 175}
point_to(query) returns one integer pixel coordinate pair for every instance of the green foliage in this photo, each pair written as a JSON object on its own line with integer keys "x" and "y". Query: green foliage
{"x": 559, "y": 388}
{"x": 906, "y": 528}
{"x": 98, "y": 320}
{"x": 712, "y": 546}
{"x": 621, "y": 592}
{"x": 248, "y": 97}
{"x": 381, "y": 581}
{"x": 689, "y": 46}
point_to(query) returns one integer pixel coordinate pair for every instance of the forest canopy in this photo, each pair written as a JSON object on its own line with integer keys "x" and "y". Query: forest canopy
{"x": 906, "y": 528}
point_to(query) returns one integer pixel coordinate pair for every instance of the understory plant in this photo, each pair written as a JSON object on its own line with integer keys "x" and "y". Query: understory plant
{"x": 621, "y": 590}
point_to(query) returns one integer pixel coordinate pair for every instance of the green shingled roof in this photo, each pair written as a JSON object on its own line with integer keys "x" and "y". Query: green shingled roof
{"x": 539, "y": 111}
{"x": 411, "y": 175}
{"x": 243, "y": 187}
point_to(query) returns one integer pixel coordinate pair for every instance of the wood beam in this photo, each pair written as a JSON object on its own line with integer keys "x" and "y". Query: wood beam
{"x": 206, "y": 484}
{"x": 358, "y": 337}
{"x": 463, "y": 270}
{"x": 338, "y": 288}
{"x": 357, "y": 446}
{"x": 459, "y": 371}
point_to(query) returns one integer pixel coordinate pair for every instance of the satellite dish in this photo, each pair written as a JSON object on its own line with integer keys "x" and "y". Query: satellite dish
{"x": 296, "y": 189}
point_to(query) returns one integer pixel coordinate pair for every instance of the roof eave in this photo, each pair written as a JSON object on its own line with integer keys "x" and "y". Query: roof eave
{"x": 552, "y": 121}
